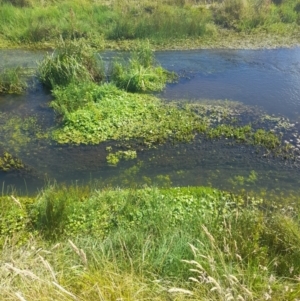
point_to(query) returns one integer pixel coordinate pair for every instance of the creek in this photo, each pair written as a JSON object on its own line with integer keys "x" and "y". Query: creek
{"x": 267, "y": 80}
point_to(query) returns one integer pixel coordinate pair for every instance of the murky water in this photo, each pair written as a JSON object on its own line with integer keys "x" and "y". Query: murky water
{"x": 269, "y": 79}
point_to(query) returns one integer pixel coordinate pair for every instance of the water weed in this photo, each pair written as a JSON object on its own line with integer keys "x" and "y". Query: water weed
{"x": 112, "y": 114}
{"x": 9, "y": 163}
{"x": 13, "y": 81}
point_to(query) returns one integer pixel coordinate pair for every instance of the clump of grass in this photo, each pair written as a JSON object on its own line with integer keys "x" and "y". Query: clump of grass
{"x": 13, "y": 81}
{"x": 141, "y": 73}
{"x": 72, "y": 61}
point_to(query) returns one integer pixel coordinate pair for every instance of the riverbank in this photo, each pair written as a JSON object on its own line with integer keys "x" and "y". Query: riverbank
{"x": 224, "y": 39}
{"x": 84, "y": 243}
{"x": 166, "y": 24}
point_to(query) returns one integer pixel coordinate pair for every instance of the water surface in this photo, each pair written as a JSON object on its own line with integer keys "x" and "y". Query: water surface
{"x": 268, "y": 79}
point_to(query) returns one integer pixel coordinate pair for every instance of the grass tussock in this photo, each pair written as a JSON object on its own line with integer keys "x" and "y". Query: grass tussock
{"x": 140, "y": 73}
{"x": 13, "y": 81}
{"x": 77, "y": 243}
{"x": 72, "y": 61}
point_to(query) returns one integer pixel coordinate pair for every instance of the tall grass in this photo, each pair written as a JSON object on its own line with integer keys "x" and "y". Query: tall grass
{"x": 32, "y": 21}
{"x": 140, "y": 73}
{"x": 72, "y": 61}
{"x": 179, "y": 243}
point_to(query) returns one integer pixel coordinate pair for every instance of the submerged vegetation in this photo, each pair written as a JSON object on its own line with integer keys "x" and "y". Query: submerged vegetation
{"x": 93, "y": 112}
{"x": 186, "y": 23}
{"x": 10, "y": 163}
{"x": 180, "y": 243}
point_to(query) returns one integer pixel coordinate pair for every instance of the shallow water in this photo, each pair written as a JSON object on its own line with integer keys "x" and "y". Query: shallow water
{"x": 265, "y": 78}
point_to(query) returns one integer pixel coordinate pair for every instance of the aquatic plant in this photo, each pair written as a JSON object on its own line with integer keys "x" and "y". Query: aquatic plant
{"x": 140, "y": 73}
{"x": 10, "y": 163}
{"x": 107, "y": 113}
{"x": 13, "y": 81}
{"x": 114, "y": 158}
{"x": 72, "y": 61}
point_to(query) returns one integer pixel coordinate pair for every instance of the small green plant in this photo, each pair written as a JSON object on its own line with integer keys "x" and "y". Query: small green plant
{"x": 72, "y": 61}
{"x": 13, "y": 81}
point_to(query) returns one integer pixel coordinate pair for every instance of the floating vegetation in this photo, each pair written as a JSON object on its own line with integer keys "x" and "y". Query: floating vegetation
{"x": 13, "y": 81}
{"x": 114, "y": 158}
{"x": 10, "y": 163}
{"x": 112, "y": 114}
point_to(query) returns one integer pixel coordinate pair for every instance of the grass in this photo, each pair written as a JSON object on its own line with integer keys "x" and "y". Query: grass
{"x": 13, "y": 81}
{"x": 140, "y": 73}
{"x": 72, "y": 61}
{"x": 183, "y": 243}
{"x": 165, "y": 23}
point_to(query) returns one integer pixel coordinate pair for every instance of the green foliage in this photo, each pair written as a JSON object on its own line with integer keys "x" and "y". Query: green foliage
{"x": 62, "y": 212}
{"x": 35, "y": 22}
{"x": 13, "y": 81}
{"x": 160, "y": 22}
{"x": 107, "y": 113}
{"x": 15, "y": 222}
{"x": 72, "y": 61}
{"x": 18, "y": 3}
{"x": 229, "y": 13}
{"x": 140, "y": 74}
{"x": 266, "y": 138}
{"x": 114, "y": 158}
{"x": 282, "y": 235}
{"x": 236, "y": 245}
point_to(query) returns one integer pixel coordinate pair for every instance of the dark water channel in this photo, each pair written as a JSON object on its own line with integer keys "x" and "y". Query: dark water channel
{"x": 268, "y": 79}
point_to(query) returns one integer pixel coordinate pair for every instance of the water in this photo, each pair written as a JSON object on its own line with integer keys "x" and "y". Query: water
{"x": 268, "y": 79}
